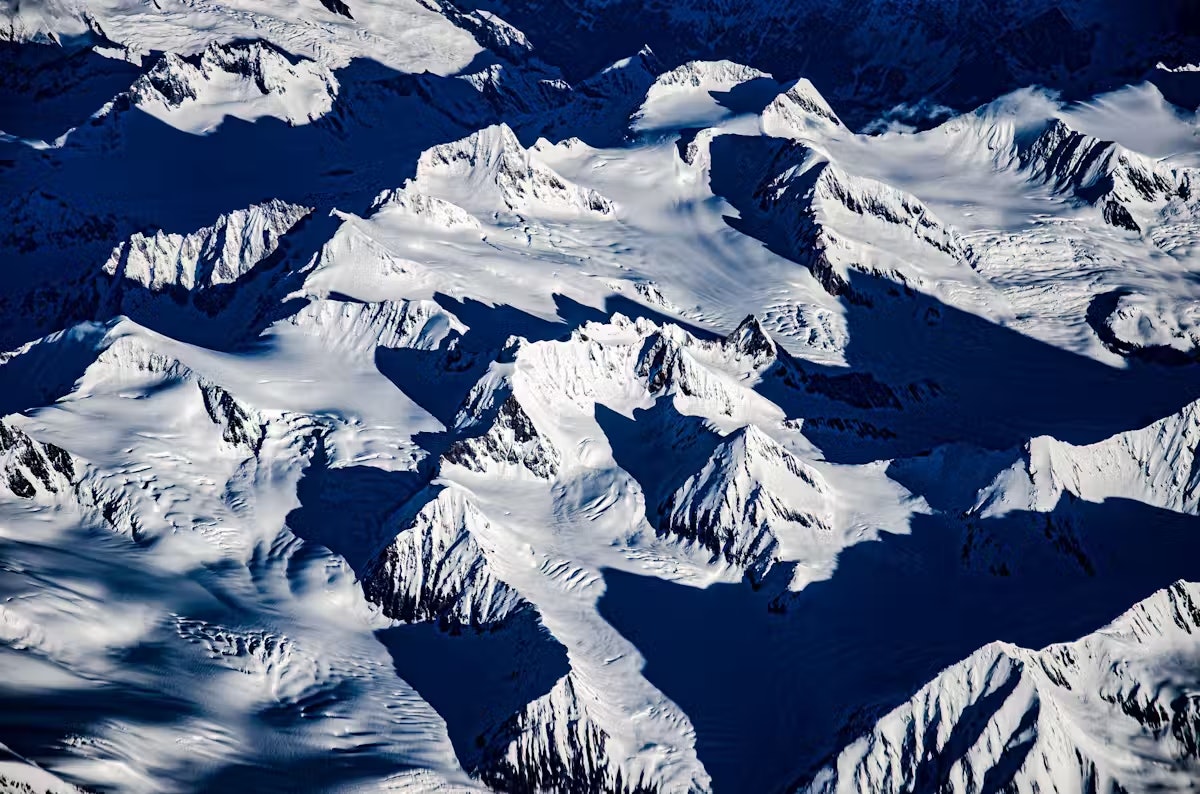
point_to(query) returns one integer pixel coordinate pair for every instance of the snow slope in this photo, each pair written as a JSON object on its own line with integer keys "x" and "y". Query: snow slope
{"x": 1114, "y": 709}
{"x": 436, "y": 396}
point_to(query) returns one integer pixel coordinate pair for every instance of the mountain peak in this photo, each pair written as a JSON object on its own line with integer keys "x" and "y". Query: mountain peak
{"x": 436, "y": 570}
{"x": 752, "y": 504}
{"x": 793, "y": 112}
{"x": 218, "y": 254}
{"x": 494, "y": 164}
{"x": 512, "y": 444}
{"x": 193, "y": 93}
{"x": 751, "y": 341}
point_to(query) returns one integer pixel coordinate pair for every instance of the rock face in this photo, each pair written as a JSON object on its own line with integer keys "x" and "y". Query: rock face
{"x": 837, "y": 223}
{"x": 218, "y": 254}
{"x": 31, "y": 469}
{"x": 1128, "y": 188}
{"x": 750, "y": 342}
{"x": 749, "y": 493}
{"x": 553, "y": 744}
{"x": 494, "y": 165}
{"x": 1114, "y": 711}
{"x": 700, "y": 374}
{"x": 511, "y": 445}
{"x": 436, "y": 571}
{"x": 818, "y": 186}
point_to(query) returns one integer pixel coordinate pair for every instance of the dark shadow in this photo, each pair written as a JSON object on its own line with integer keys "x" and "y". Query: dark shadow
{"x": 681, "y": 445}
{"x": 949, "y": 477}
{"x": 751, "y": 96}
{"x": 46, "y": 90}
{"x": 45, "y": 372}
{"x": 782, "y": 679}
{"x": 436, "y": 380}
{"x": 439, "y": 380}
{"x": 493, "y": 324}
{"x": 1181, "y": 89}
{"x": 476, "y": 680}
{"x": 129, "y": 172}
{"x": 349, "y": 510}
{"x": 224, "y": 316}
{"x": 632, "y": 309}
{"x": 922, "y": 373}
{"x": 314, "y": 769}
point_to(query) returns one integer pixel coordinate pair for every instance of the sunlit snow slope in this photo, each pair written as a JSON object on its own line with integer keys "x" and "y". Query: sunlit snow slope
{"x": 419, "y": 396}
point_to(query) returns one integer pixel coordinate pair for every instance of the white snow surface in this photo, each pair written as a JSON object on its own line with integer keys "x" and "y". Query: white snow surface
{"x": 732, "y": 354}
{"x": 1116, "y": 707}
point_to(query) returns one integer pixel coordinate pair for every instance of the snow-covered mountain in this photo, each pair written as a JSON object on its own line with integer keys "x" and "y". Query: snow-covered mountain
{"x": 492, "y": 168}
{"x": 752, "y": 504}
{"x": 599, "y": 397}
{"x": 1123, "y": 184}
{"x": 1115, "y": 710}
{"x": 208, "y": 257}
{"x": 251, "y": 79}
{"x": 436, "y": 571}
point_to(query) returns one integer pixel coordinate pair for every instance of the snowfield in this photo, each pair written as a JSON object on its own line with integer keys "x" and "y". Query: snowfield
{"x": 418, "y": 396}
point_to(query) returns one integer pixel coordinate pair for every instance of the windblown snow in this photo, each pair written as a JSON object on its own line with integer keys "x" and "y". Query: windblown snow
{"x": 425, "y": 396}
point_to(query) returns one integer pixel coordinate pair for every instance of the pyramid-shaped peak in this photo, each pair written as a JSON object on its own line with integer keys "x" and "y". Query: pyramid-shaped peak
{"x": 750, "y": 340}
{"x": 801, "y": 107}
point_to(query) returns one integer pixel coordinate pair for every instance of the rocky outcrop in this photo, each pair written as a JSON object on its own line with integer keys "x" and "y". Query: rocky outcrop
{"x": 749, "y": 493}
{"x": 511, "y": 444}
{"x": 554, "y": 744}
{"x": 436, "y": 571}
{"x": 836, "y": 223}
{"x": 33, "y": 470}
{"x": 1127, "y": 187}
